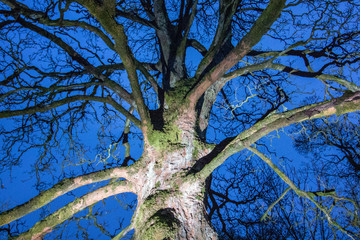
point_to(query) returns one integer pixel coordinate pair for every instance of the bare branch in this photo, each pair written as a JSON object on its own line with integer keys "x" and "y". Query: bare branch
{"x": 72, "y": 53}
{"x": 40, "y": 229}
{"x": 105, "y": 15}
{"x": 135, "y": 18}
{"x": 309, "y": 195}
{"x": 341, "y": 105}
{"x": 43, "y": 18}
{"x": 58, "y": 103}
{"x": 319, "y": 75}
{"x": 260, "y": 27}
{"x": 60, "y": 189}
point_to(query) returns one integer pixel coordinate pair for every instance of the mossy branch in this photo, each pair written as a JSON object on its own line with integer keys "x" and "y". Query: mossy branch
{"x": 105, "y": 14}
{"x": 347, "y": 103}
{"x": 46, "y": 225}
{"x": 58, "y": 190}
{"x": 274, "y": 203}
{"x": 257, "y": 31}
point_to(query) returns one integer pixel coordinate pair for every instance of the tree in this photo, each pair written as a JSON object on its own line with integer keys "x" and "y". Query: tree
{"x": 341, "y": 135}
{"x": 171, "y": 73}
{"x": 240, "y": 196}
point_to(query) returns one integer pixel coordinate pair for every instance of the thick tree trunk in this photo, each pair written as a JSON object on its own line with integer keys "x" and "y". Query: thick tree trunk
{"x": 171, "y": 201}
{"x": 173, "y": 215}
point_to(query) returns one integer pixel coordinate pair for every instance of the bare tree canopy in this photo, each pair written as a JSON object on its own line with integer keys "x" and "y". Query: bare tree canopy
{"x": 151, "y": 97}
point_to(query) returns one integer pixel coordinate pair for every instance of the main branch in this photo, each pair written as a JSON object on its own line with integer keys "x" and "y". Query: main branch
{"x": 46, "y": 225}
{"x": 349, "y": 102}
{"x": 58, "y": 190}
{"x": 260, "y": 27}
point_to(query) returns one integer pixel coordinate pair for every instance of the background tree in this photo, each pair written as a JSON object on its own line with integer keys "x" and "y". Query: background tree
{"x": 195, "y": 81}
{"x": 240, "y": 196}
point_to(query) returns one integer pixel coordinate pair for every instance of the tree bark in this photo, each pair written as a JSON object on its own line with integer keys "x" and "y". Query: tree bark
{"x": 170, "y": 200}
{"x": 169, "y": 214}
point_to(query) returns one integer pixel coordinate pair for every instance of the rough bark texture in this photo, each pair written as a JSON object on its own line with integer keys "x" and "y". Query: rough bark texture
{"x": 170, "y": 201}
{"x": 169, "y": 178}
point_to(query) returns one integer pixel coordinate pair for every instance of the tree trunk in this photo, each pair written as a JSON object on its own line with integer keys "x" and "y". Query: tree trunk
{"x": 172, "y": 214}
{"x": 171, "y": 201}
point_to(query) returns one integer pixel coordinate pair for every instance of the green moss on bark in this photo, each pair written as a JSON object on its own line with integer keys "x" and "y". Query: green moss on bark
{"x": 177, "y": 96}
{"x": 168, "y": 139}
{"x": 161, "y": 226}
{"x": 154, "y": 220}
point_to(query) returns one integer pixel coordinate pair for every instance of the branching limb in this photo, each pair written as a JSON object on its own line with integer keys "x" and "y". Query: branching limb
{"x": 107, "y": 82}
{"x": 123, "y": 232}
{"x": 341, "y": 105}
{"x": 77, "y": 57}
{"x": 45, "y": 226}
{"x": 211, "y": 93}
{"x": 306, "y": 194}
{"x": 94, "y": 71}
{"x": 60, "y": 189}
{"x": 43, "y": 18}
{"x": 274, "y": 203}
{"x": 105, "y": 14}
{"x": 67, "y": 48}
{"x": 227, "y": 10}
{"x": 260, "y": 27}
{"x": 58, "y": 103}
{"x": 319, "y": 75}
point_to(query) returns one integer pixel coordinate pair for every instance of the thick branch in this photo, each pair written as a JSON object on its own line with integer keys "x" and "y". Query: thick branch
{"x": 58, "y": 190}
{"x": 105, "y": 15}
{"x": 349, "y": 102}
{"x": 164, "y": 28}
{"x": 260, "y": 27}
{"x": 40, "y": 229}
